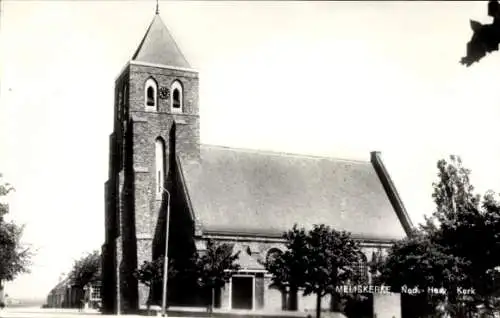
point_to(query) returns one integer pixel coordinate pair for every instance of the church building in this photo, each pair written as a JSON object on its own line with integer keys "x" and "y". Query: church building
{"x": 242, "y": 196}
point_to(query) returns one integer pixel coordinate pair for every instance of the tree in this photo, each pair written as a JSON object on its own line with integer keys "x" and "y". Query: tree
{"x": 455, "y": 249}
{"x": 15, "y": 257}
{"x": 86, "y": 270}
{"x": 417, "y": 264}
{"x": 468, "y": 231}
{"x": 215, "y": 267}
{"x": 318, "y": 261}
{"x": 150, "y": 273}
{"x": 485, "y": 38}
{"x": 5, "y": 189}
{"x": 332, "y": 255}
{"x": 209, "y": 270}
{"x": 288, "y": 269}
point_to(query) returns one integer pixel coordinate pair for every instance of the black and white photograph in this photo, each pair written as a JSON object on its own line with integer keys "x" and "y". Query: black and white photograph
{"x": 249, "y": 159}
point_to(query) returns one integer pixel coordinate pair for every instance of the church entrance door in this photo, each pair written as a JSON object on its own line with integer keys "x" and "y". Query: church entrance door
{"x": 242, "y": 290}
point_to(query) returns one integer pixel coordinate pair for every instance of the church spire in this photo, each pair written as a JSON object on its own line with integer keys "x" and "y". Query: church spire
{"x": 158, "y": 46}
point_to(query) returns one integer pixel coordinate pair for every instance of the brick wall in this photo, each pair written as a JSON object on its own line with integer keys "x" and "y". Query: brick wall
{"x": 259, "y": 291}
{"x": 274, "y": 299}
{"x": 164, "y": 77}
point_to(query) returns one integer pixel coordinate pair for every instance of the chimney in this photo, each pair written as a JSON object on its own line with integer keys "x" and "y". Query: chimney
{"x": 375, "y": 156}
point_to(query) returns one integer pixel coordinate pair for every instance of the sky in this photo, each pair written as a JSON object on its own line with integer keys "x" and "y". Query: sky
{"x": 324, "y": 78}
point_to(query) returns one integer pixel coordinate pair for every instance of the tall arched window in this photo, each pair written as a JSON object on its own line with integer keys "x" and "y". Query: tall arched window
{"x": 151, "y": 95}
{"x": 160, "y": 165}
{"x": 177, "y": 97}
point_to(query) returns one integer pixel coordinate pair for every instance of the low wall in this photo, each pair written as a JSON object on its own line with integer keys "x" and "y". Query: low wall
{"x": 218, "y": 313}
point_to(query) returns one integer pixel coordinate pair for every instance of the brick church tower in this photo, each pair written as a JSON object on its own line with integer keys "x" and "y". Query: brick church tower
{"x": 156, "y": 118}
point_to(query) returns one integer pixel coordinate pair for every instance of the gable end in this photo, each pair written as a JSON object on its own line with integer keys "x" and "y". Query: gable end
{"x": 392, "y": 193}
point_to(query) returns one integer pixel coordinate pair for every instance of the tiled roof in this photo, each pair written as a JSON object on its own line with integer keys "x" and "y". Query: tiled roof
{"x": 62, "y": 285}
{"x": 263, "y": 193}
{"x": 159, "y": 47}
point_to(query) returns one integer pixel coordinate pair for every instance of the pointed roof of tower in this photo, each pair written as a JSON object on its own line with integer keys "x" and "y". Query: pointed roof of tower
{"x": 159, "y": 47}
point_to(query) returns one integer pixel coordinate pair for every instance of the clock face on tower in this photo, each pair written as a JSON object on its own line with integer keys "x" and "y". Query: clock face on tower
{"x": 164, "y": 92}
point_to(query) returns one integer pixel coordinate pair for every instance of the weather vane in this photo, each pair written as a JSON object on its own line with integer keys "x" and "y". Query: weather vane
{"x": 157, "y": 7}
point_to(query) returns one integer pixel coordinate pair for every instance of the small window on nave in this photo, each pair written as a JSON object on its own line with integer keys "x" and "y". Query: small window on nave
{"x": 362, "y": 269}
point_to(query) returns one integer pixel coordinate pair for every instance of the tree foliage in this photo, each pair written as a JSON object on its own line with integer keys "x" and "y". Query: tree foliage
{"x": 210, "y": 269}
{"x": 15, "y": 257}
{"x": 288, "y": 268}
{"x": 5, "y": 189}
{"x": 456, "y": 249}
{"x": 317, "y": 261}
{"x": 151, "y": 272}
{"x": 86, "y": 270}
{"x": 215, "y": 267}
